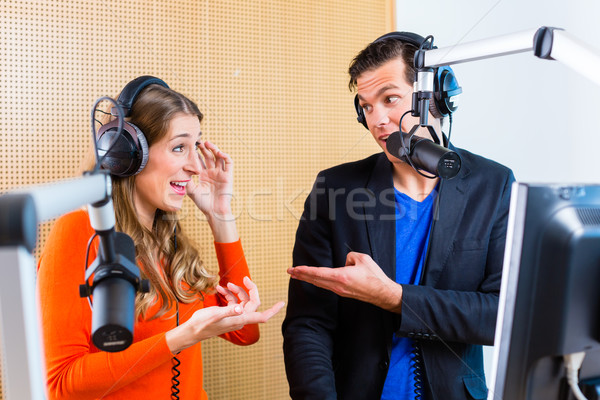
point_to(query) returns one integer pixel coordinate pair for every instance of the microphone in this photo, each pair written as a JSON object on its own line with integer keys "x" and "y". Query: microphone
{"x": 115, "y": 283}
{"x": 424, "y": 154}
{"x": 114, "y": 298}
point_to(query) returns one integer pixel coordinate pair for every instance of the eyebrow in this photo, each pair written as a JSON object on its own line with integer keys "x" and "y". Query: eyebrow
{"x": 184, "y": 135}
{"x": 381, "y": 90}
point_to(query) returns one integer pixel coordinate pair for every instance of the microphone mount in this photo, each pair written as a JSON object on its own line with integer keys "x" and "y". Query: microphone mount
{"x": 423, "y": 89}
{"x": 547, "y": 43}
{"x": 109, "y": 262}
{"x": 116, "y": 279}
{"x": 422, "y": 96}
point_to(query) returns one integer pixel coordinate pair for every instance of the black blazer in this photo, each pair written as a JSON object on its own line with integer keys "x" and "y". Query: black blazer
{"x": 339, "y": 348}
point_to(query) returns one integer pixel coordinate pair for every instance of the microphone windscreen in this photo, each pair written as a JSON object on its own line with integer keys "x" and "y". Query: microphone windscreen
{"x": 395, "y": 146}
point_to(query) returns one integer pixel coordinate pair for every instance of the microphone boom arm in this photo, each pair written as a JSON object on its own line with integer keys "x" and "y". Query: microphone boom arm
{"x": 545, "y": 42}
{"x": 22, "y": 211}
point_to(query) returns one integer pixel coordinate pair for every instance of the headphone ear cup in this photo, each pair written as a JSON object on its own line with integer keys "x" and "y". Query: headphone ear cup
{"x": 446, "y": 90}
{"x": 142, "y": 147}
{"x": 122, "y": 153}
{"x": 360, "y": 113}
{"x": 434, "y": 108}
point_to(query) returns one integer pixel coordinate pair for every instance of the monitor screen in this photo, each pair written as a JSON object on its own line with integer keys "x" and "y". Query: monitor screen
{"x": 550, "y": 295}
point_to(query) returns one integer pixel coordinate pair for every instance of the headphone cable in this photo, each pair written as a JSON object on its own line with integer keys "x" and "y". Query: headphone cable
{"x": 417, "y": 369}
{"x": 175, "y": 360}
{"x": 449, "y": 129}
{"x": 85, "y": 267}
{"x": 421, "y": 47}
{"x": 175, "y": 368}
{"x": 121, "y": 118}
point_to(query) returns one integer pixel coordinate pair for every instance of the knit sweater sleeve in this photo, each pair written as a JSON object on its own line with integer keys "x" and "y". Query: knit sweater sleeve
{"x": 75, "y": 368}
{"x": 233, "y": 268}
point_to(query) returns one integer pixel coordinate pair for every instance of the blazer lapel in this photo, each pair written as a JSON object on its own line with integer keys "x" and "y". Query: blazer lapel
{"x": 380, "y": 218}
{"x": 451, "y": 209}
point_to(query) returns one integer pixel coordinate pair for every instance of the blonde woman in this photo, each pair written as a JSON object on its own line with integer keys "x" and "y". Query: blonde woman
{"x": 185, "y": 304}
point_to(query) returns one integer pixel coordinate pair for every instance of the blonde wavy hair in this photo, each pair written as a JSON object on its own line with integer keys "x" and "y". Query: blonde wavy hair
{"x": 182, "y": 276}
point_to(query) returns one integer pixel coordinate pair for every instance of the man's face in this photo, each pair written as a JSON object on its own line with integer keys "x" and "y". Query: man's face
{"x": 385, "y": 95}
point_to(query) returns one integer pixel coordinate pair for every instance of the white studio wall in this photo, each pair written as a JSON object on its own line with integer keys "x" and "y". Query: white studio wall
{"x": 535, "y": 116}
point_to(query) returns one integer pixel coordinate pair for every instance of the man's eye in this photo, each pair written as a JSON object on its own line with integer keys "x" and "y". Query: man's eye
{"x": 392, "y": 99}
{"x": 366, "y": 107}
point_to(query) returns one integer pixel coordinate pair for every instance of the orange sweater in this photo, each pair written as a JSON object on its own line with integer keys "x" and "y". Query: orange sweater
{"x": 76, "y": 368}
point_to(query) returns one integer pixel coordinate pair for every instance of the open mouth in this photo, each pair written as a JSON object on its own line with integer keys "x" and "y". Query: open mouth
{"x": 179, "y": 187}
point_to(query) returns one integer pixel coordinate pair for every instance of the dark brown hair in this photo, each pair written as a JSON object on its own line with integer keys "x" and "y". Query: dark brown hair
{"x": 378, "y": 53}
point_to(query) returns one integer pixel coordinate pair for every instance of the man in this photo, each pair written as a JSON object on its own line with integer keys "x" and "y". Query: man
{"x": 386, "y": 300}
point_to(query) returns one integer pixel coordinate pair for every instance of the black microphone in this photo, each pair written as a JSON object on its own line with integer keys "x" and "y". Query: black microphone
{"x": 116, "y": 279}
{"x": 424, "y": 154}
{"x": 114, "y": 295}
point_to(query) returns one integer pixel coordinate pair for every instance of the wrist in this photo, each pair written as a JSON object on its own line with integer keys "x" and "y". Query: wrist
{"x": 176, "y": 341}
{"x": 223, "y": 227}
{"x": 218, "y": 217}
{"x": 394, "y": 298}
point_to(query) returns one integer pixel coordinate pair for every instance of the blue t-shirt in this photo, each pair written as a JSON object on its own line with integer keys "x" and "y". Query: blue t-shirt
{"x": 413, "y": 222}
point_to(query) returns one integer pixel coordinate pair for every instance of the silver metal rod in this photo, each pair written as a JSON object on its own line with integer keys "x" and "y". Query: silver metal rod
{"x": 19, "y": 324}
{"x": 498, "y": 46}
{"x": 22, "y": 349}
{"x": 56, "y": 199}
{"x": 576, "y": 55}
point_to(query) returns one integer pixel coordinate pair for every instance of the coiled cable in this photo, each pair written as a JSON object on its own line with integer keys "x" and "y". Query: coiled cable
{"x": 417, "y": 369}
{"x": 174, "y": 368}
{"x": 174, "y": 380}
{"x": 175, "y": 360}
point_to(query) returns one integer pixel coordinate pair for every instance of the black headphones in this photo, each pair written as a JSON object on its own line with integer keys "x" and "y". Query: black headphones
{"x": 445, "y": 85}
{"x": 125, "y": 152}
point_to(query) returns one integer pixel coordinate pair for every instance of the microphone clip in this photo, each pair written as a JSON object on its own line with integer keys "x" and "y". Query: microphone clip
{"x": 423, "y": 86}
{"x": 120, "y": 268}
{"x": 408, "y": 149}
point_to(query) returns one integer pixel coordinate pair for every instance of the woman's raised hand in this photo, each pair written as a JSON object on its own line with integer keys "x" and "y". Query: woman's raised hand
{"x": 214, "y": 190}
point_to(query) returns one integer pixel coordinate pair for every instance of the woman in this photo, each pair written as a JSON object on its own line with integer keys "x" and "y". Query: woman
{"x": 182, "y": 307}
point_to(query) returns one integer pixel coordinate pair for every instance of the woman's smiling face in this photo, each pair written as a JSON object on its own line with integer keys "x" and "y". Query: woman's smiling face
{"x": 172, "y": 161}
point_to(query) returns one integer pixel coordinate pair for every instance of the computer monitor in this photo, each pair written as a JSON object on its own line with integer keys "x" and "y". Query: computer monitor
{"x": 550, "y": 294}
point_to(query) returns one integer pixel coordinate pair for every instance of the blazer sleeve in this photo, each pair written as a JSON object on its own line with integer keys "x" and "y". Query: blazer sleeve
{"x": 311, "y": 317}
{"x": 75, "y": 368}
{"x": 233, "y": 268}
{"x": 465, "y": 316}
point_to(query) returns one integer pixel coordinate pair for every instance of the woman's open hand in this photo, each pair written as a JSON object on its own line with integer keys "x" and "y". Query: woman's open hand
{"x": 213, "y": 321}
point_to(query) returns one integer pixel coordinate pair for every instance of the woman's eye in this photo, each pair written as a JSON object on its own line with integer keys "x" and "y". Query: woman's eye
{"x": 178, "y": 149}
{"x": 366, "y": 107}
{"x": 392, "y": 99}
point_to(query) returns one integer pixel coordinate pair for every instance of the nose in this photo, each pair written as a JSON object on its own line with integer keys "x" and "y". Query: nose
{"x": 194, "y": 163}
{"x": 380, "y": 117}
